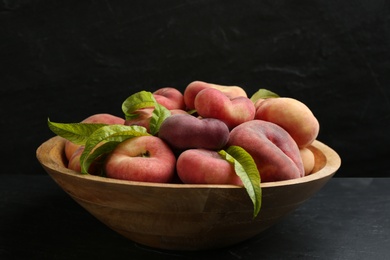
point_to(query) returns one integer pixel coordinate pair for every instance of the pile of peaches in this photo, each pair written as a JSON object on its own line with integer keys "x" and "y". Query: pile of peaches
{"x": 172, "y": 137}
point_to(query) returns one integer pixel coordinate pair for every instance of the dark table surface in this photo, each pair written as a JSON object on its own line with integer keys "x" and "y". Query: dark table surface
{"x": 347, "y": 219}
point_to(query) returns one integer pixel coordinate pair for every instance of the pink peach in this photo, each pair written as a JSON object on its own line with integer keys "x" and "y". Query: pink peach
{"x": 201, "y": 166}
{"x": 144, "y": 158}
{"x": 274, "y": 151}
{"x": 195, "y": 87}
{"x": 169, "y": 97}
{"x": 212, "y": 103}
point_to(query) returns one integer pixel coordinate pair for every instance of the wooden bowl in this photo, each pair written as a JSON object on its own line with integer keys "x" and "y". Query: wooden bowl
{"x": 184, "y": 216}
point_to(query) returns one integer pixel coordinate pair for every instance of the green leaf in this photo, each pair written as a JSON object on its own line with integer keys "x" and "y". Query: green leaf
{"x": 105, "y": 139}
{"x": 246, "y": 169}
{"x": 160, "y": 113}
{"x": 192, "y": 111}
{"x": 137, "y": 101}
{"x": 77, "y": 133}
{"x": 100, "y": 151}
{"x": 263, "y": 93}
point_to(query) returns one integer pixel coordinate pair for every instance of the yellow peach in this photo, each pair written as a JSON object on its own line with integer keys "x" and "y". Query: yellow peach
{"x": 308, "y": 160}
{"x": 292, "y": 115}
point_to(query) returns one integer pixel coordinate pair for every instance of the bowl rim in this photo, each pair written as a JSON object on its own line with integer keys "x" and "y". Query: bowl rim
{"x": 54, "y": 144}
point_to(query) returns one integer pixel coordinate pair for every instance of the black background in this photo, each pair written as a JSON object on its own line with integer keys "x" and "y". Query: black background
{"x": 69, "y": 59}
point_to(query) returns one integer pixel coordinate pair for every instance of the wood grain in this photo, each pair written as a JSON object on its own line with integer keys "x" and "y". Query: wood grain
{"x": 184, "y": 216}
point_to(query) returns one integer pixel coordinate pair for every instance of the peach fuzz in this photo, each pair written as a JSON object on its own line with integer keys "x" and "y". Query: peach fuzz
{"x": 212, "y": 103}
{"x": 201, "y": 166}
{"x": 274, "y": 151}
{"x": 102, "y": 118}
{"x": 186, "y": 131}
{"x": 195, "y": 87}
{"x": 169, "y": 97}
{"x": 143, "y": 158}
{"x": 292, "y": 115}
